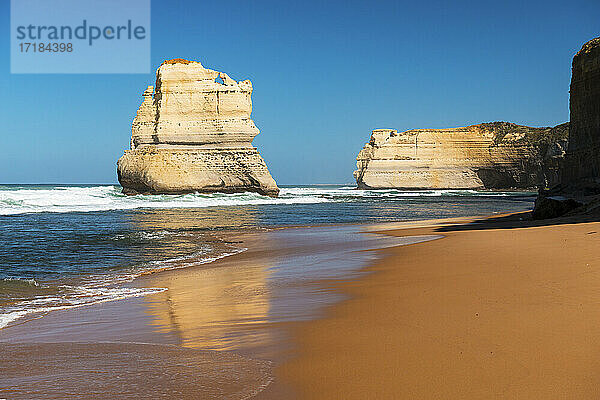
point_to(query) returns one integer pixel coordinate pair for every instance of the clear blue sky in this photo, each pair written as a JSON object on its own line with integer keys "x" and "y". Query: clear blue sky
{"x": 325, "y": 73}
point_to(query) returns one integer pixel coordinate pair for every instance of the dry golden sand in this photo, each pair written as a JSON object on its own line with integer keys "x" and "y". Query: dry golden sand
{"x": 479, "y": 314}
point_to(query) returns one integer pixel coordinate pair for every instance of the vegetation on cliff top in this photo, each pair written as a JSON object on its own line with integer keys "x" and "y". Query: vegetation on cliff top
{"x": 177, "y": 61}
{"x": 530, "y": 135}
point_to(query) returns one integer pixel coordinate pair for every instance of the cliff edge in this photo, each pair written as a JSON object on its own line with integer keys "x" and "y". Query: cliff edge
{"x": 193, "y": 133}
{"x": 578, "y": 190}
{"x": 497, "y": 155}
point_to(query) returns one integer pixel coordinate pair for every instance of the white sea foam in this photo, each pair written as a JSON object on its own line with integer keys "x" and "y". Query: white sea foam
{"x": 105, "y": 198}
{"x": 62, "y": 199}
{"x": 28, "y": 282}
{"x": 87, "y": 296}
{"x": 11, "y": 316}
{"x": 103, "y": 288}
{"x": 197, "y": 258}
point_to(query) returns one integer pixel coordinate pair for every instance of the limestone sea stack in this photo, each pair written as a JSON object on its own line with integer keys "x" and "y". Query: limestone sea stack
{"x": 193, "y": 133}
{"x": 497, "y": 155}
{"x": 579, "y": 186}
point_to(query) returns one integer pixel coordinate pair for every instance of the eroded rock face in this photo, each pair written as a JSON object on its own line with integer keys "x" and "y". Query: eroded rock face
{"x": 578, "y": 191}
{"x": 582, "y": 160}
{"x": 193, "y": 132}
{"x": 495, "y": 155}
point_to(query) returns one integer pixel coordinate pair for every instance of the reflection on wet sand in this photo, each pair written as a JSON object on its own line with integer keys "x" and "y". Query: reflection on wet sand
{"x": 236, "y": 302}
{"x": 215, "y": 308}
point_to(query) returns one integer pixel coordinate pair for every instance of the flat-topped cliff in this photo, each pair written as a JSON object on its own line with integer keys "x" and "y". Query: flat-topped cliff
{"x": 193, "y": 132}
{"x": 496, "y": 155}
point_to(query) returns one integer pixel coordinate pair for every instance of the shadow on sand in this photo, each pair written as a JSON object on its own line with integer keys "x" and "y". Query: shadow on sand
{"x": 517, "y": 220}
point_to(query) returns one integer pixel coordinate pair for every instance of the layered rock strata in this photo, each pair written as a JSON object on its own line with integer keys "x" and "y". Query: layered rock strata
{"x": 579, "y": 186}
{"x": 582, "y": 159}
{"x": 496, "y": 155}
{"x": 193, "y": 133}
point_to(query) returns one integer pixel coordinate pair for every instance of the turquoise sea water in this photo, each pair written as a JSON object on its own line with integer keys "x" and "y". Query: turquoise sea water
{"x": 65, "y": 246}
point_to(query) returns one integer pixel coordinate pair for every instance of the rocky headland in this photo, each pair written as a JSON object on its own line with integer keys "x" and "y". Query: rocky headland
{"x": 578, "y": 190}
{"x": 193, "y": 133}
{"x": 496, "y": 155}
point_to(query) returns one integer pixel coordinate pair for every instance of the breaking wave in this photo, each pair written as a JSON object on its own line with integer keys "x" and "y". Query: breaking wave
{"x": 64, "y": 199}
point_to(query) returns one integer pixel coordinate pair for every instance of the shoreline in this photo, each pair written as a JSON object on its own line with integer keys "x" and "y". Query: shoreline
{"x": 213, "y": 261}
{"x": 240, "y": 304}
{"x": 428, "y": 319}
{"x": 147, "y": 279}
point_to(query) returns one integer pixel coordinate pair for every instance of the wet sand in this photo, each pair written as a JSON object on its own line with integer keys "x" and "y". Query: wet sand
{"x": 127, "y": 371}
{"x": 492, "y": 310}
{"x": 236, "y": 308}
{"x": 507, "y": 311}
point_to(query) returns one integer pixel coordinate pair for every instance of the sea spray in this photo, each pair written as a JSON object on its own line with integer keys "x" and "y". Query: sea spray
{"x": 64, "y": 199}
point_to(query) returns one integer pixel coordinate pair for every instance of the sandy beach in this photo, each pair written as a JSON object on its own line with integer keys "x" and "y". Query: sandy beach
{"x": 490, "y": 311}
{"x": 496, "y": 308}
{"x": 300, "y": 200}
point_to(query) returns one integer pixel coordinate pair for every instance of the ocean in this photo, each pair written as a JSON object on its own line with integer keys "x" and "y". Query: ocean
{"x": 65, "y": 246}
